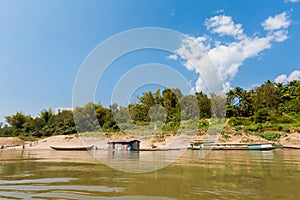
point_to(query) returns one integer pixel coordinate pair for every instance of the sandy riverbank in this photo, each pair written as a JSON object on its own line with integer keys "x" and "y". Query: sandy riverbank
{"x": 147, "y": 142}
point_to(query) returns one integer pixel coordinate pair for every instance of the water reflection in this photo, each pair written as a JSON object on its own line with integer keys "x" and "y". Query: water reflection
{"x": 31, "y": 181}
{"x": 221, "y": 175}
{"x": 137, "y": 161}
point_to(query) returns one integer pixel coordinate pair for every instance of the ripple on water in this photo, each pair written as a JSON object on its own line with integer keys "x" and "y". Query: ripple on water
{"x": 27, "y": 188}
{"x": 60, "y": 195}
{"x": 218, "y": 193}
{"x": 57, "y": 191}
{"x": 32, "y": 181}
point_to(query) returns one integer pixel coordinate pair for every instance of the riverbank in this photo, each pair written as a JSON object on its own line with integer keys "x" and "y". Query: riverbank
{"x": 147, "y": 142}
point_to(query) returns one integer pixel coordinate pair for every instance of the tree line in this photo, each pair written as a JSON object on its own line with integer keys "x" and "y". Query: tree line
{"x": 269, "y": 101}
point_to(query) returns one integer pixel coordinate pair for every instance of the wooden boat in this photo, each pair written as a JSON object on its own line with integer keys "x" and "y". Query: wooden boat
{"x": 290, "y": 147}
{"x": 251, "y": 147}
{"x": 72, "y": 148}
{"x": 157, "y": 149}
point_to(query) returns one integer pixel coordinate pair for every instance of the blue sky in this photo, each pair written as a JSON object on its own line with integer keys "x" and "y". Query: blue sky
{"x": 43, "y": 43}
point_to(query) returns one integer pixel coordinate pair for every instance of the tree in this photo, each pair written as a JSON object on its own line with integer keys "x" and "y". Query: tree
{"x": 122, "y": 115}
{"x": 171, "y": 104}
{"x": 46, "y": 115}
{"x": 204, "y": 105}
{"x": 85, "y": 118}
{"x": 267, "y": 95}
{"x": 189, "y": 107}
{"x": 16, "y": 121}
{"x": 147, "y": 99}
{"x": 239, "y": 103}
{"x": 218, "y": 105}
{"x": 139, "y": 112}
{"x": 62, "y": 123}
{"x": 106, "y": 119}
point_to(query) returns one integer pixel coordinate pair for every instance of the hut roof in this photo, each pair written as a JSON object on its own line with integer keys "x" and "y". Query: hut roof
{"x": 122, "y": 141}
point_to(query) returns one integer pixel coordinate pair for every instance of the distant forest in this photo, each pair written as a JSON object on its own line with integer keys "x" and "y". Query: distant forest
{"x": 269, "y": 107}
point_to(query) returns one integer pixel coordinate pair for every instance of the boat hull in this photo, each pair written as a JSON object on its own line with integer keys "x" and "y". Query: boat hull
{"x": 72, "y": 148}
{"x": 250, "y": 147}
{"x": 235, "y": 148}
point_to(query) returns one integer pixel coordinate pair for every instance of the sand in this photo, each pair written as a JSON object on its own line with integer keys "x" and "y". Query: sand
{"x": 147, "y": 142}
{"x": 10, "y": 142}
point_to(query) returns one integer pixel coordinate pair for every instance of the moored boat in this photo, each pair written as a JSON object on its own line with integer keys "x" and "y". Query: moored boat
{"x": 72, "y": 148}
{"x": 253, "y": 147}
{"x": 158, "y": 149}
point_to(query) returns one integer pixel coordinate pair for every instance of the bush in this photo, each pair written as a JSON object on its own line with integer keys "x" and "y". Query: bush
{"x": 270, "y": 135}
{"x": 203, "y": 124}
{"x": 171, "y": 127}
{"x": 254, "y": 128}
{"x": 225, "y": 136}
{"x": 284, "y": 119}
{"x": 26, "y": 138}
{"x": 287, "y": 130}
{"x": 262, "y": 115}
{"x": 234, "y": 121}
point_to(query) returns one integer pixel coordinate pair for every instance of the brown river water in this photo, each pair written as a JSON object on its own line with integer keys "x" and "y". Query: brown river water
{"x": 49, "y": 174}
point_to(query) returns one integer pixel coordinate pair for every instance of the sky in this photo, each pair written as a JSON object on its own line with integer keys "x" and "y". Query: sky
{"x": 43, "y": 45}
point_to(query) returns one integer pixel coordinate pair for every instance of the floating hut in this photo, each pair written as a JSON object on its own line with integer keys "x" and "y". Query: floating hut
{"x": 124, "y": 145}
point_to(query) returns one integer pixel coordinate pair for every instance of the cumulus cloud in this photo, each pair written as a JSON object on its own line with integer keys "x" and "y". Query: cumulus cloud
{"x": 277, "y": 22}
{"x": 224, "y": 25}
{"x": 228, "y": 57}
{"x": 280, "y": 36}
{"x": 292, "y": 1}
{"x": 283, "y": 78}
{"x": 57, "y": 110}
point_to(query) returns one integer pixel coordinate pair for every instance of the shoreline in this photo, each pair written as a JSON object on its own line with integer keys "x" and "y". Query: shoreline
{"x": 147, "y": 142}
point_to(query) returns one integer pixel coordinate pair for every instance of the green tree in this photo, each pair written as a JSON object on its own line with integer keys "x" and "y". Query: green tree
{"x": 17, "y": 121}
{"x": 190, "y": 107}
{"x": 204, "y": 105}
{"x": 46, "y": 115}
{"x": 85, "y": 117}
{"x": 266, "y": 96}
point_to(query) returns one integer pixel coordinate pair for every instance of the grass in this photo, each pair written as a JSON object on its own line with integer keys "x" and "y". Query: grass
{"x": 271, "y": 130}
{"x": 27, "y": 138}
{"x": 271, "y": 136}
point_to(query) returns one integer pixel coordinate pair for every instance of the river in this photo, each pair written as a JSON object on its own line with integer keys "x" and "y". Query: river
{"x": 49, "y": 174}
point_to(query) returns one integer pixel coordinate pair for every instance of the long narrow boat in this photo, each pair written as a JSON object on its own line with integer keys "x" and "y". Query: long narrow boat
{"x": 157, "y": 149}
{"x": 252, "y": 147}
{"x": 290, "y": 147}
{"x": 72, "y": 148}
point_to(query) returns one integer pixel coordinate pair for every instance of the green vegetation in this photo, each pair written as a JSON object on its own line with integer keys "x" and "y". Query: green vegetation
{"x": 270, "y": 111}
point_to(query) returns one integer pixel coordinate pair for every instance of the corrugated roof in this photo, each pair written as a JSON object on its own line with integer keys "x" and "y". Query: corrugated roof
{"x": 123, "y": 141}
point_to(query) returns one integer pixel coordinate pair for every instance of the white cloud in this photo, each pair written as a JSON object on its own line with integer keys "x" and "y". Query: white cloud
{"x": 173, "y": 57}
{"x": 228, "y": 57}
{"x": 280, "y": 36}
{"x": 224, "y": 25}
{"x": 295, "y": 75}
{"x": 57, "y": 110}
{"x": 292, "y": 1}
{"x": 283, "y": 78}
{"x": 219, "y": 11}
{"x": 277, "y": 22}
